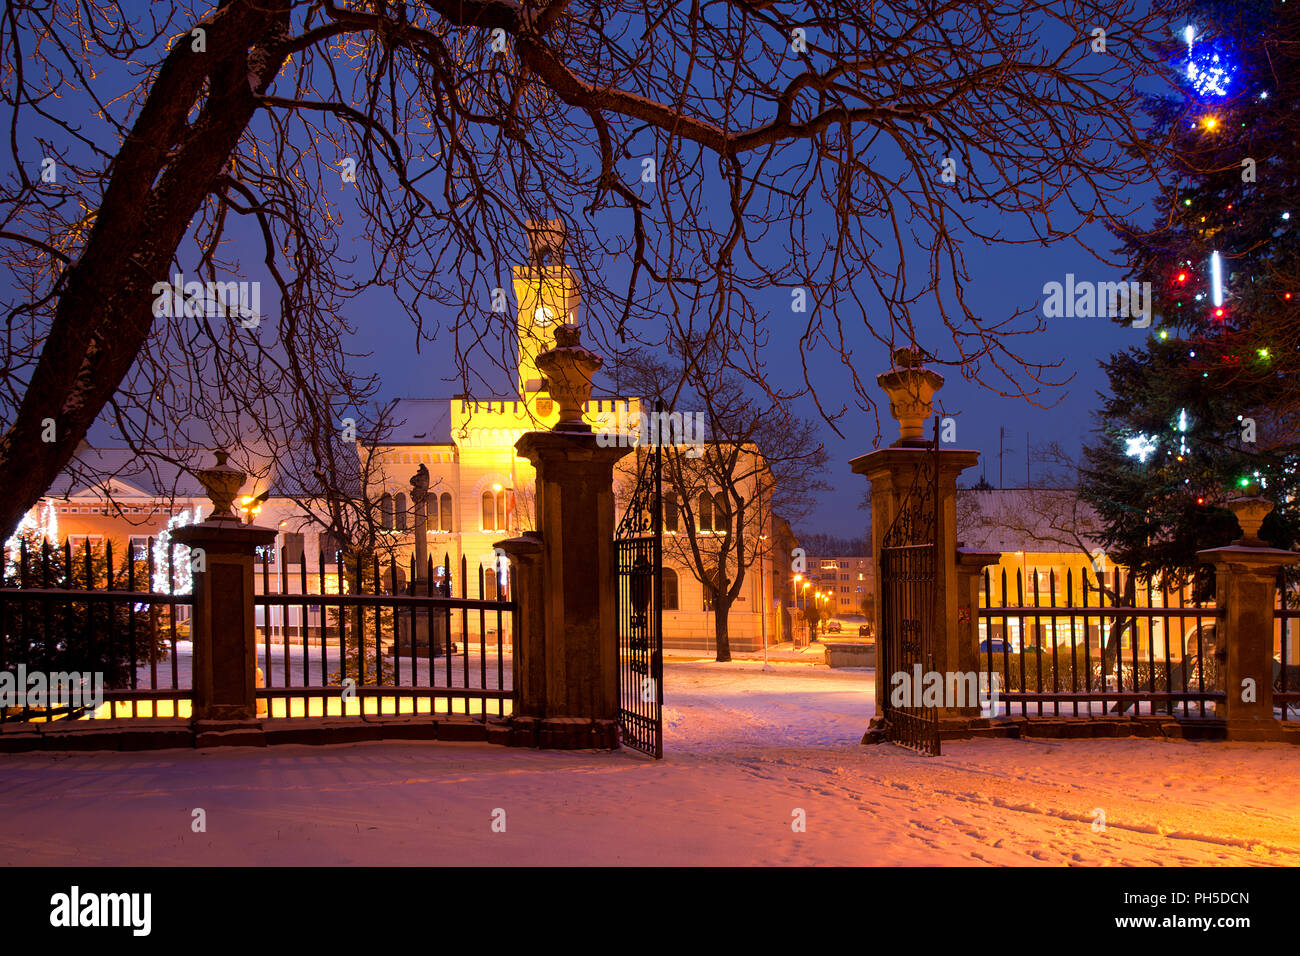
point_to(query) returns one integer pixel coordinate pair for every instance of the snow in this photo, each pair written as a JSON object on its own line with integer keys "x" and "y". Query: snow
{"x": 745, "y": 750}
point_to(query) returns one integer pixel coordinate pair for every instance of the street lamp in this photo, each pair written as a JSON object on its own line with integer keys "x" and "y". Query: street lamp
{"x": 252, "y": 507}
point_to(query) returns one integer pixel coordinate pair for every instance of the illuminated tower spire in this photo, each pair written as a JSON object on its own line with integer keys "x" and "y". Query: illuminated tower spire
{"x": 547, "y": 294}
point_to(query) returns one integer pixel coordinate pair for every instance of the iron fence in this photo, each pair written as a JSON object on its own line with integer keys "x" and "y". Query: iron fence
{"x": 373, "y": 639}
{"x": 1080, "y": 649}
{"x": 85, "y": 634}
{"x": 342, "y": 642}
{"x": 1286, "y": 678}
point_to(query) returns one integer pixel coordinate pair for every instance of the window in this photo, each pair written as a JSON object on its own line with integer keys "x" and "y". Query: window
{"x": 721, "y": 513}
{"x": 79, "y": 542}
{"x": 294, "y": 547}
{"x": 670, "y": 517}
{"x": 399, "y": 511}
{"x": 139, "y": 549}
{"x": 706, "y": 513}
{"x": 669, "y": 599}
{"x": 444, "y": 515}
{"x": 494, "y": 582}
{"x": 331, "y": 543}
{"x": 498, "y": 506}
{"x": 386, "y": 512}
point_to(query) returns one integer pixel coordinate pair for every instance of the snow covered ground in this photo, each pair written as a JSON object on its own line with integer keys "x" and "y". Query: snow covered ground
{"x": 747, "y": 753}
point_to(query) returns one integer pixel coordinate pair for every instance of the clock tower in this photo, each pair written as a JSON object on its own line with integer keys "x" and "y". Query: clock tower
{"x": 547, "y": 294}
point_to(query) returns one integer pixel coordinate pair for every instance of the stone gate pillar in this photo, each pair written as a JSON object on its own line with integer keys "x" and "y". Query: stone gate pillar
{"x": 222, "y": 627}
{"x": 1246, "y": 592}
{"x": 566, "y": 651}
{"x": 891, "y": 470}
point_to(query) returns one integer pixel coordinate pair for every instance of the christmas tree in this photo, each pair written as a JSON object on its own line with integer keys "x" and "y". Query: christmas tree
{"x": 1207, "y": 408}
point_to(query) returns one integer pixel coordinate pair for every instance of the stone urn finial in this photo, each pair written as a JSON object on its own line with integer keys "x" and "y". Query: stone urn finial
{"x": 1250, "y": 510}
{"x": 910, "y": 387}
{"x": 569, "y": 368}
{"x": 222, "y": 483}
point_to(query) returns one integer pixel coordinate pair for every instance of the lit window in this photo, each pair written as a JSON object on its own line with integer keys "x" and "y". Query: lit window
{"x": 498, "y": 509}
{"x": 444, "y": 512}
{"x": 670, "y": 590}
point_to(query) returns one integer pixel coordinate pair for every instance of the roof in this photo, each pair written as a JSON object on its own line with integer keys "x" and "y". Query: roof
{"x": 158, "y": 476}
{"x": 92, "y": 467}
{"x": 420, "y": 421}
{"x": 1046, "y": 520}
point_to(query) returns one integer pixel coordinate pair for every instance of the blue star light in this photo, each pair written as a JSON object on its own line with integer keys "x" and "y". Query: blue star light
{"x": 1210, "y": 69}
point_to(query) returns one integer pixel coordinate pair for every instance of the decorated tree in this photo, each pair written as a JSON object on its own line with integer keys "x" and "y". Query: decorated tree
{"x": 1208, "y": 406}
{"x": 58, "y": 637}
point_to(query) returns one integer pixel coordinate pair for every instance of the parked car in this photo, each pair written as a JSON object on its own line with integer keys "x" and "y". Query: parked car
{"x": 998, "y": 646}
{"x": 833, "y": 627}
{"x": 864, "y": 630}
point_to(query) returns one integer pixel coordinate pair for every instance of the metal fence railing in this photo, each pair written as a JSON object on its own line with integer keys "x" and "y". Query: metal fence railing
{"x": 361, "y": 640}
{"x": 1087, "y": 649}
{"x": 1286, "y": 640}
{"x": 87, "y": 634}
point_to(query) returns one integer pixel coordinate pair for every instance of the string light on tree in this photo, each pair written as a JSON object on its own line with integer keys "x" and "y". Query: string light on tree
{"x": 1211, "y": 67}
{"x": 162, "y": 577}
{"x": 41, "y": 523}
{"x": 1140, "y": 447}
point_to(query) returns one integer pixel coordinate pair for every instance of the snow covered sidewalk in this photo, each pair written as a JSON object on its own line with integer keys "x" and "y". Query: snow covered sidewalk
{"x": 746, "y": 752}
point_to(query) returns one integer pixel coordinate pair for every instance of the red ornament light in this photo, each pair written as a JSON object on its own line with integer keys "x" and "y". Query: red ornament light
{"x": 1182, "y": 277}
{"x": 1218, "y": 313}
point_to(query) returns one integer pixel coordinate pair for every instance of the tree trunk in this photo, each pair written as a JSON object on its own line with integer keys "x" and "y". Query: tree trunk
{"x": 723, "y": 641}
{"x": 160, "y": 178}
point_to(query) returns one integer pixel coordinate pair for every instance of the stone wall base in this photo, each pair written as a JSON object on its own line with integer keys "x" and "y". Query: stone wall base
{"x": 1091, "y": 728}
{"x": 571, "y": 733}
{"x": 562, "y": 733}
{"x": 137, "y": 735}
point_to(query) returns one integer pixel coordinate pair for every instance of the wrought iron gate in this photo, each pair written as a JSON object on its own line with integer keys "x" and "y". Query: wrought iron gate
{"x": 908, "y": 564}
{"x": 638, "y": 555}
